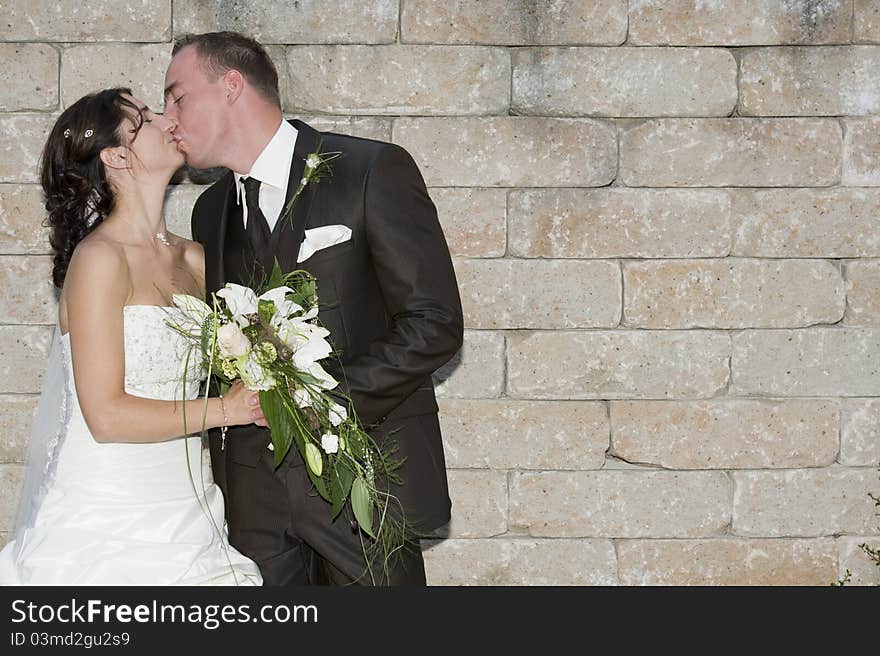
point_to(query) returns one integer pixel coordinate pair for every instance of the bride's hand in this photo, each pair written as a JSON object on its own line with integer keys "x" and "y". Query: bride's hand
{"x": 242, "y": 406}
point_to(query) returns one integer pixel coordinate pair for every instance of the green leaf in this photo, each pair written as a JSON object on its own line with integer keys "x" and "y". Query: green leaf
{"x": 319, "y": 484}
{"x": 303, "y": 291}
{"x": 360, "y": 503}
{"x": 280, "y": 425}
{"x": 313, "y": 459}
{"x": 341, "y": 478}
{"x": 276, "y": 279}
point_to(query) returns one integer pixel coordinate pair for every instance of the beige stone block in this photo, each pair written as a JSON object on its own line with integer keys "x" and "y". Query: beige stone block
{"x": 866, "y": 21}
{"x": 806, "y": 362}
{"x": 366, "y": 127}
{"x": 862, "y": 293}
{"x": 508, "y": 434}
{"x": 617, "y": 222}
{"x": 29, "y": 294}
{"x": 23, "y": 354}
{"x": 394, "y": 80}
{"x": 806, "y": 223}
{"x": 10, "y": 487}
{"x": 619, "y": 364}
{"x": 738, "y": 22}
{"x": 514, "y": 22}
{"x": 804, "y": 503}
{"x": 622, "y": 504}
{"x": 22, "y": 215}
{"x": 809, "y": 81}
{"x": 861, "y": 152}
{"x": 30, "y": 72}
{"x": 726, "y": 561}
{"x": 860, "y": 433}
{"x": 476, "y": 371}
{"x": 479, "y": 504}
{"x": 502, "y": 561}
{"x": 136, "y": 66}
{"x": 539, "y": 294}
{"x": 732, "y": 293}
{"x": 5, "y": 537}
{"x": 22, "y": 138}
{"x": 726, "y": 433}
{"x": 16, "y": 416}
{"x": 863, "y": 569}
{"x": 510, "y": 151}
{"x": 474, "y": 221}
{"x": 731, "y": 152}
{"x": 623, "y": 82}
{"x": 304, "y": 21}
{"x": 95, "y": 20}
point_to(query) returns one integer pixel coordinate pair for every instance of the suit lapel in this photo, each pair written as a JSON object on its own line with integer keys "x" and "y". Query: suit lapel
{"x": 215, "y": 277}
{"x": 289, "y": 231}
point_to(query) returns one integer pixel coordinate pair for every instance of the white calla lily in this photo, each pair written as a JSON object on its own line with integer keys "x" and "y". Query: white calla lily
{"x": 324, "y": 380}
{"x": 302, "y": 398}
{"x": 283, "y": 307}
{"x": 240, "y": 301}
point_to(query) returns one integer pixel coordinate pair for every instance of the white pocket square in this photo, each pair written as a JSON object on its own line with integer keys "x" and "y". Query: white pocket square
{"x": 323, "y": 237}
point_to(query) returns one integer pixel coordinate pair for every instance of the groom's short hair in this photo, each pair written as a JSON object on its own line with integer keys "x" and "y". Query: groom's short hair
{"x": 223, "y": 51}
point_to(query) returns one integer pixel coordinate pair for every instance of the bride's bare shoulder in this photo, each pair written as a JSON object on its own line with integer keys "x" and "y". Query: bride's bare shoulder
{"x": 97, "y": 255}
{"x": 97, "y": 269}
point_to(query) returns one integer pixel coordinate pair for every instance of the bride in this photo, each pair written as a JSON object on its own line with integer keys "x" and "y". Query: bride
{"x": 113, "y": 493}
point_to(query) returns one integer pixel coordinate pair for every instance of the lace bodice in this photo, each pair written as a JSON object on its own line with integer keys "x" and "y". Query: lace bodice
{"x": 155, "y": 355}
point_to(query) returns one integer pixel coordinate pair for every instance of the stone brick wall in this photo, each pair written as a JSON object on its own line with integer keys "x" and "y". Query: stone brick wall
{"x": 665, "y": 217}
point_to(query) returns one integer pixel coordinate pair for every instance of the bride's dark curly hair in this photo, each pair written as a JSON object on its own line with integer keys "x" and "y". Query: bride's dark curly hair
{"x": 78, "y": 195}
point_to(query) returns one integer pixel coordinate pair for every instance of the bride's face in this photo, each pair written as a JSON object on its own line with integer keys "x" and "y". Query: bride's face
{"x": 151, "y": 141}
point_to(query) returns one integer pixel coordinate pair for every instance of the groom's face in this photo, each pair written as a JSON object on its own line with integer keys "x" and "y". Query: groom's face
{"x": 195, "y": 103}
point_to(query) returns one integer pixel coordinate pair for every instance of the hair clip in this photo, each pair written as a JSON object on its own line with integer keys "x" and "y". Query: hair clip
{"x": 67, "y": 133}
{"x": 89, "y": 133}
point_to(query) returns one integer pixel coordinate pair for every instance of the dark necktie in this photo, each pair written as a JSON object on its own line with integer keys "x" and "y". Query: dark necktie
{"x": 257, "y": 228}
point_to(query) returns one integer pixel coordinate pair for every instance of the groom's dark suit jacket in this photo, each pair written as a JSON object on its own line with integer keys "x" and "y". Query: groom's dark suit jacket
{"x": 388, "y": 297}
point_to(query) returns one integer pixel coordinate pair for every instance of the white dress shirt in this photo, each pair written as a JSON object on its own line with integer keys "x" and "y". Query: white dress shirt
{"x": 272, "y": 169}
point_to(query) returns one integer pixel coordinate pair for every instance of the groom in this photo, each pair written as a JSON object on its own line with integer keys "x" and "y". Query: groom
{"x": 386, "y": 289}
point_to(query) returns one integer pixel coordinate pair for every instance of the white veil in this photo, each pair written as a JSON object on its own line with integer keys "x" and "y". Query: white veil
{"x": 45, "y": 440}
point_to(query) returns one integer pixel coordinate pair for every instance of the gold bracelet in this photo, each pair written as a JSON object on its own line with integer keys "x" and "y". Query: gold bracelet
{"x": 224, "y": 427}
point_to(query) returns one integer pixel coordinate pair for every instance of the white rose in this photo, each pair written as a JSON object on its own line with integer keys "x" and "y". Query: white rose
{"x": 330, "y": 443}
{"x": 232, "y": 341}
{"x": 312, "y": 161}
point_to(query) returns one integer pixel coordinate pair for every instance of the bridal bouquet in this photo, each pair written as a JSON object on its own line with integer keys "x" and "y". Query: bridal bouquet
{"x": 271, "y": 339}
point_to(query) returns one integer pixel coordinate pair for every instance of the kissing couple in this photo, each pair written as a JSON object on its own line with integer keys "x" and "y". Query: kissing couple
{"x": 115, "y": 491}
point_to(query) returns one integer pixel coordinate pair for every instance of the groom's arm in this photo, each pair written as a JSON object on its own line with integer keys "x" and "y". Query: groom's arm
{"x": 415, "y": 274}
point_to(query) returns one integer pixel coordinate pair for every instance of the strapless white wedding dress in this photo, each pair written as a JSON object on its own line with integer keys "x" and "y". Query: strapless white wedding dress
{"x": 130, "y": 514}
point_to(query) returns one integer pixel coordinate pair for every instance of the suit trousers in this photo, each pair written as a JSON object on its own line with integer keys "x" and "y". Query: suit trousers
{"x": 278, "y": 519}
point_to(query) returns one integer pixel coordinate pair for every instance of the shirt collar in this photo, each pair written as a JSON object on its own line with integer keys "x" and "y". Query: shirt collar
{"x": 272, "y": 166}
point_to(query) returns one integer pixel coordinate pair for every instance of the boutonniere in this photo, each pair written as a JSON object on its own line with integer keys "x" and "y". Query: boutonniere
{"x": 317, "y": 167}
